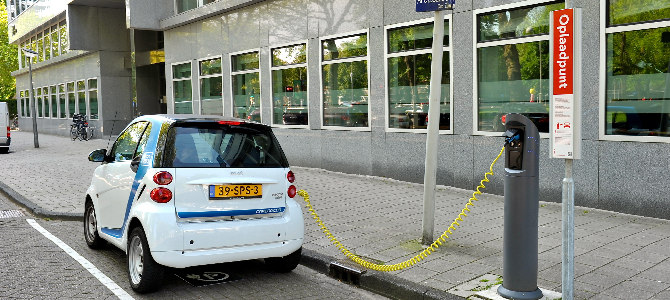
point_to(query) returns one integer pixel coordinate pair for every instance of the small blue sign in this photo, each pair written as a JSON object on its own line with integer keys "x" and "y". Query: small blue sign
{"x": 433, "y": 5}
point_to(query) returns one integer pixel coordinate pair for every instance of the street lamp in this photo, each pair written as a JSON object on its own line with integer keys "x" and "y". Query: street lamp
{"x": 32, "y": 54}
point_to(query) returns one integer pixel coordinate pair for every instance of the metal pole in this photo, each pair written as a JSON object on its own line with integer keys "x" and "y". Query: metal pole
{"x": 568, "y": 199}
{"x": 32, "y": 99}
{"x": 430, "y": 175}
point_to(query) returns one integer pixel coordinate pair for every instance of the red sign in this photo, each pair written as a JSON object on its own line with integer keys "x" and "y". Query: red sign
{"x": 563, "y": 51}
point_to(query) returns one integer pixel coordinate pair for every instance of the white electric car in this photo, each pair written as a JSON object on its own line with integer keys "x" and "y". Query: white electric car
{"x": 188, "y": 190}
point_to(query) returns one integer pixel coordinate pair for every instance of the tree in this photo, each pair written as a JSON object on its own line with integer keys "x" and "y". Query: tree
{"x": 8, "y": 61}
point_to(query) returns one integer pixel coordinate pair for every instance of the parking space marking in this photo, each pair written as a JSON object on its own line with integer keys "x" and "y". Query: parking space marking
{"x": 110, "y": 284}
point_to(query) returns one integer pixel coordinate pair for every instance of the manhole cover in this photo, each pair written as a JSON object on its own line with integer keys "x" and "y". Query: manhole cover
{"x": 11, "y": 214}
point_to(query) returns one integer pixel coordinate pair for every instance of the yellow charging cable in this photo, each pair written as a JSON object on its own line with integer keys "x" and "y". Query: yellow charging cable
{"x": 419, "y": 257}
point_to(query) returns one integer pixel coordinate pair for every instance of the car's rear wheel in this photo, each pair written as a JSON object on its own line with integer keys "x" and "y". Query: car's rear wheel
{"x": 284, "y": 264}
{"x": 93, "y": 239}
{"x": 145, "y": 274}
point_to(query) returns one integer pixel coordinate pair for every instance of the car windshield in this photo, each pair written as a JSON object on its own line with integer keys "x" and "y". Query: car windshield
{"x": 210, "y": 145}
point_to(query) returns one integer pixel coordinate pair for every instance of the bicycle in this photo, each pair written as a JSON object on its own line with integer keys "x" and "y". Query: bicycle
{"x": 79, "y": 128}
{"x": 14, "y": 123}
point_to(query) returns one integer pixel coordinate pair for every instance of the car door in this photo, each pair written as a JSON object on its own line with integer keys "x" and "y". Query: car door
{"x": 116, "y": 177}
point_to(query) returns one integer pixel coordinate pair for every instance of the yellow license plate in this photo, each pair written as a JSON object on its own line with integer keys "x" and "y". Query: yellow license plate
{"x": 236, "y": 190}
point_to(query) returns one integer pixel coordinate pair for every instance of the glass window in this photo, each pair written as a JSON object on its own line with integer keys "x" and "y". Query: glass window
{"x": 54, "y": 41}
{"x": 47, "y": 45}
{"x": 33, "y": 46}
{"x": 516, "y": 22}
{"x": 409, "y": 77}
{"x": 184, "y": 5}
{"x": 246, "y": 86}
{"x": 54, "y": 103}
{"x": 246, "y": 61}
{"x": 352, "y": 46}
{"x": 183, "y": 95}
{"x": 46, "y": 98}
{"x": 246, "y": 96}
{"x": 63, "y": 37}
{"x": 211, "y": 87}
{"x": 39, "y": 106}
{"x": 637, "y": 11}
{"x": 40, "y": 47}
{"x": 345, "y": 84}
{"x": 22, "y": 110}
{"x": 513, "y": 76}
{"x": 81, "y": 97}
{"x": 28, "y": 102}
{"x": 289, "y": 85}
{"x": 638, "y": 82}
{"x": 71, "y": 101}
{"x": 61, "y": 101}
{"x": 126, "y": 144}
{"x": 289, "y": 55}
{"x": 209, "y": 145}
{"x": 414, "y": 37}
{"x": 93, "y": 98}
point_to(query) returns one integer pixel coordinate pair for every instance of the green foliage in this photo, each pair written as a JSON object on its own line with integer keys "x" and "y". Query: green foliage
{"x": 634, "y": 11}
{"x": 8, "y": 60}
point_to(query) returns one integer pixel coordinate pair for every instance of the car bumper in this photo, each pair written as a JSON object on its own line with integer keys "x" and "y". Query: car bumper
{"x": 179, "y": 259}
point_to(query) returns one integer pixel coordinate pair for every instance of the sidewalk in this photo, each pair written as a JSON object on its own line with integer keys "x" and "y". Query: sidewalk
{"x": 617, "y": 256}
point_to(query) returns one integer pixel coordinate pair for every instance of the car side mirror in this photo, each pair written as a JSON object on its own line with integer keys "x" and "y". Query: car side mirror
{"x": 97, "y": 155}
{"x": 135, "y": 164}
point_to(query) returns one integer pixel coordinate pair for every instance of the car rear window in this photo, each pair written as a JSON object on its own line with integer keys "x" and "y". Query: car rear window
{"x": 210, "y": 145}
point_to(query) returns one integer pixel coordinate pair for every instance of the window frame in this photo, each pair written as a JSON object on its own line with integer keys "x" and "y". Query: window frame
{"x": 247, "y": 71}
{"x": 300, "y": 65}
{"x": 387, "y": 55}
{"x": 223, "y": 107}
{"x": 323, "y": 63}
{"x": 516, "y": 40}
{"x": 602, "y": 84}
{"x": 172, "y": 80}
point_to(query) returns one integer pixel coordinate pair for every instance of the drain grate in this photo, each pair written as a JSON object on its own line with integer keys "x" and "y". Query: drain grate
{"x": 346, "y": 271}
{"x": 11, "y": 214}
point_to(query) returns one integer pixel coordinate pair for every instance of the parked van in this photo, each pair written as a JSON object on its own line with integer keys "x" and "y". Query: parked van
{"x": 5, "y": 139}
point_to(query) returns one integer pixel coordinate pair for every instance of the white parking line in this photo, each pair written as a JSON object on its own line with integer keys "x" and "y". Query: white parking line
{"x": 110, "y": 284}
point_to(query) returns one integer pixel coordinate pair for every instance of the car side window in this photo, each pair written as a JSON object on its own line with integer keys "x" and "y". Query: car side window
{"x": 143, "y": 141}
{"x": 126, "y": 144}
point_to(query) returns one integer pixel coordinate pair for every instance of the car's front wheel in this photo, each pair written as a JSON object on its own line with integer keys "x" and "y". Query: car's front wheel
{"x": 93, "y": 239}
{"x": 145, "y": 274}
{"x": 284, "y": 264}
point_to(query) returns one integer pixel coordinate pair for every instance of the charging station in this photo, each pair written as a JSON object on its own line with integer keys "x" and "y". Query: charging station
{"x": 522, "y": 148}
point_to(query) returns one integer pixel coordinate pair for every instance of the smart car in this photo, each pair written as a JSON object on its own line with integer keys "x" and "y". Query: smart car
{"x": 187, "y": 190}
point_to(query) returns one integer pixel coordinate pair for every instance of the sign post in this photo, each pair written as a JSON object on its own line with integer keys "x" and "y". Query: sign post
{"x": 430, "y": 175}
{"x": 566, "y": 84}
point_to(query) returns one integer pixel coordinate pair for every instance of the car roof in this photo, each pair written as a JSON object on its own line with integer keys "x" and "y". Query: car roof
{"x": 188, "y": 118}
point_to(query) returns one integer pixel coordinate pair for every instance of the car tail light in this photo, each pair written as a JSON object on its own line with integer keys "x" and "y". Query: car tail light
{"x": 504, "y": 117}
{"x": 231, "y": 122}
{"x": 8, "y": 131}
{"x": 290, "y": 177}
{"x": 543, "y": 120}
{"x": 291, "y": 191}
{"x": 163, "y": 178}
{"x": 161, "y": 195}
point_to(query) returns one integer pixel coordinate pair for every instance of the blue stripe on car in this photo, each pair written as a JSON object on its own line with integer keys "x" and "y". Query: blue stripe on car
{"x": 228, "y": 213}
{"x": 141, "y": 171}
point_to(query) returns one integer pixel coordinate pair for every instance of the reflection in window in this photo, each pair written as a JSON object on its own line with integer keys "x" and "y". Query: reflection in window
{"x": 516, "y": 22}
{"x": 638, "y": 82}
{"x": 636, "y": 11}
{"x": 246, "y": 86}
{"x": 513, "y": 79}
{"x": 409, "y": 77}
{"x": 345, "y": 84}
{"x": 70, "y": 99}
{"x": 54, "y": 102}
{"x": 47, "y": 45}
{"x": 23, "y": 104}
{"x": 63, "y": 37}
{"x": 289, "y": 85}
{"x": 353, "y": 46}
{"x": 183, "y": 96}
{"x": 93, "y": 98}
{"x": 38, "y": 98}
{"x": 211, "y": 87}
{"x": 61, "y": 101}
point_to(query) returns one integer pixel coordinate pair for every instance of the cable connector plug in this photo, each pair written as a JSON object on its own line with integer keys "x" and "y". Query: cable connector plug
{"x": 512, "y": 135}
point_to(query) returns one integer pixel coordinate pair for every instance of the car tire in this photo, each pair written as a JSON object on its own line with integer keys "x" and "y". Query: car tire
{"x": 144, "y": 274}
{"x": 93, "y": 239}
{"x": 284, "y": 264}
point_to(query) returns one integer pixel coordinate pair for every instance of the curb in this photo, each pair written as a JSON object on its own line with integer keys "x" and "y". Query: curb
{"x": 35, "y": 209}
{"x": 380, "y": 283}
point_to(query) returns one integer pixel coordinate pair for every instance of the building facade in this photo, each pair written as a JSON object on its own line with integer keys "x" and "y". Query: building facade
{"x": 345, "y": 82}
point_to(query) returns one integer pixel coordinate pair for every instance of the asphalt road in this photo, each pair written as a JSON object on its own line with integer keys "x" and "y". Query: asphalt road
{"x": 34, "y": 267}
